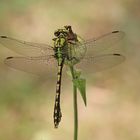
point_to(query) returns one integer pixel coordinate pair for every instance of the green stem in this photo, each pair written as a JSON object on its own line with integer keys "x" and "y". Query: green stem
{"x": 75, "y": 113}
{"x": 75, "y": 105}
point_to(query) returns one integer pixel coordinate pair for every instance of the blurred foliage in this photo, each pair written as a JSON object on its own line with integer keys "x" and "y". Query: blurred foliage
{"x": 113, "y": 103}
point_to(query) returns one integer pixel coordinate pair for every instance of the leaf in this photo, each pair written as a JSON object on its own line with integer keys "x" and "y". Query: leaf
{"x": 80, "y": 83}
{"x": 77, "y": 73}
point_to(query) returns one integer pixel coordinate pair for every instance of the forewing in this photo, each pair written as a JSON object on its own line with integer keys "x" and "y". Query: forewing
{"x": 35, "y": 65}
{"x": 26, "y": 48}
{"x": 100, "y": 63}
{"x": 97, "y": 45}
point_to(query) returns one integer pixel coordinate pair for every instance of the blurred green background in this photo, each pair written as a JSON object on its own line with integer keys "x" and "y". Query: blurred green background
{"x": 26, "y": 102}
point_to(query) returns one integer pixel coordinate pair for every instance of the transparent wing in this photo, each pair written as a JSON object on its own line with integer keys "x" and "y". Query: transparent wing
{"x": 26, "y": 48}
{"x": 36, "y": 65}
{"x": 98, "y": 45}
{"x": 99, "y": 63}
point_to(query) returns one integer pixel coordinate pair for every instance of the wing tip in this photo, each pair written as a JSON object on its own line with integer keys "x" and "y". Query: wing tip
{"x": 7, "y": 59}
{"x": 117, "y": 54}
{"x": 122, "y": 33}
{"x": 115, "y": 31}
{"x": 3, "y": 36}
{"x": 118, "y": 31}
{"x": 10, "y": 57}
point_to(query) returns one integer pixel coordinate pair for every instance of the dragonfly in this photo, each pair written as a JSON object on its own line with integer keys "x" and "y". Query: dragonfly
{"x": 68, "y": 49}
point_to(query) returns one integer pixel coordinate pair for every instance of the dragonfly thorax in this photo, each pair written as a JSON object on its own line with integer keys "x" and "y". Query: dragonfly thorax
{"x": 67, "y": 45}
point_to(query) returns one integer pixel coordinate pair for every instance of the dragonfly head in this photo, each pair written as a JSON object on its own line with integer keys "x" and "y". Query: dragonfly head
{"x": 61, "y": 36}
{"x": 61, "y": 33}
{"x": 66, "y": 32}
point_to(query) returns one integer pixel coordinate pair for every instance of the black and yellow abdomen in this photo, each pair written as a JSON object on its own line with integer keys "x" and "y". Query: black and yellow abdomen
{"x": 59, "y": 45}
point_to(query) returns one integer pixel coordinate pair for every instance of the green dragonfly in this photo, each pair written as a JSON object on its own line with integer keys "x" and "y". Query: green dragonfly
{"x": 69, "y": 49}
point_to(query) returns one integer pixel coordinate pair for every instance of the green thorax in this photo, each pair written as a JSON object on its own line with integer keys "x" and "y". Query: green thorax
{"x": 67, "y": 45}
{"x": 60, "y": 48}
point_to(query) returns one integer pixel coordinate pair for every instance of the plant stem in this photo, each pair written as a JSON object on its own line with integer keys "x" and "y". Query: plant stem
{"x": 75, "y": 105}
{"x": 75, "y": 113}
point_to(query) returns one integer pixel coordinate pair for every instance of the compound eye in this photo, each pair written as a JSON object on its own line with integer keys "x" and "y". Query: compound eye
{"x": 65, "y": 33}
{"x": 68, "y": 27}
{"x": 56, "y": 33}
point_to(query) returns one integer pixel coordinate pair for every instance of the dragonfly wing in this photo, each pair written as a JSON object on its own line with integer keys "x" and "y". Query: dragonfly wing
{"x": 36, "y": 65}
{"x": 98, "y": 45}
{"x": 26, "y": 48}
{"x": 100, "y": 63}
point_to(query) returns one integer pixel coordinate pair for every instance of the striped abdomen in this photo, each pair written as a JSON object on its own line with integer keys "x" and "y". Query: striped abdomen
{"x": 57, "y": 110}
